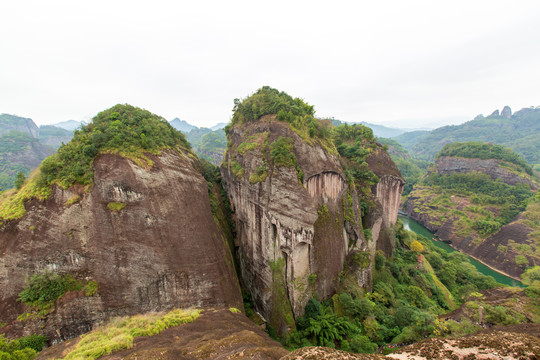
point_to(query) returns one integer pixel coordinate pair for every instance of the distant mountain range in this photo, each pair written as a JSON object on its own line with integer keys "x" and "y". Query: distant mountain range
{"x": 70, "y": 125}
{"x": 23, "y": 145}
{"x": 378, "y": 130}
{"x": 519, "y": 131}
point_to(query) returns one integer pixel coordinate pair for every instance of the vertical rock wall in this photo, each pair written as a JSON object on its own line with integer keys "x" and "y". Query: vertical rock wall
{"x": 389, "y": 189}
{"x": 291, "y": 238}
{"x": 162, "y": 250}
{"x": 388, "y": 193}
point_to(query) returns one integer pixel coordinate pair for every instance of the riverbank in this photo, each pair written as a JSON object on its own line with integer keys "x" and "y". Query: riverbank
{"x": 489, "y": 266}
{"x": 500, "y": 276}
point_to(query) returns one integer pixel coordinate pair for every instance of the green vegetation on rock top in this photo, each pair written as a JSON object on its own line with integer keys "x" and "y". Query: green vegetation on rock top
{"x": 354, "y": 143}
{"x": 294, "y": 111}
{"x": 122, "y": 129}
{"x": 480, "y": 150}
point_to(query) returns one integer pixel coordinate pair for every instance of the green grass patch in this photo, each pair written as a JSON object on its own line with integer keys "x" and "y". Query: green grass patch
{"x": 72, "y": 200}
{"x": 119, "y": 333}
{"x": 260, "y": 174}
{"x": 12, "y": 202}
{"x": 116, "y": 206}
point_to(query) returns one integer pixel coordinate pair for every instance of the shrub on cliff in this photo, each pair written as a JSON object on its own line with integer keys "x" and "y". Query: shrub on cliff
{"x": 354, "y": 143}
{"x": 24, "y": 348}
{"x": 44, "y": 289}
{"x": 270, "y": 101}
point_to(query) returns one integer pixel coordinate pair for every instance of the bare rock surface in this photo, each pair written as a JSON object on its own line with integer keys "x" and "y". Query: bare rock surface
{"x": 216, "y": 334}
{"x": 514, "y": 342}
{"x": 519, "y": 342}
{"x": 162, "y": 250}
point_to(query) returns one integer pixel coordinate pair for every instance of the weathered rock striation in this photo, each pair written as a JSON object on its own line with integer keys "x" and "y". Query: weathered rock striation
{"x": 388, "y": 192}
{"x": 295, "y": 224}
{"x": 162, "y": 250}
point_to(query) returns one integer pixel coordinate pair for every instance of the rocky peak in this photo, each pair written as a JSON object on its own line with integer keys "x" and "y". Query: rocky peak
{"x": 506, "y": 112}
{"x": 143, "y": 230}
{"x": 494, "y": 114}
{"x": 479, "y": 117}
{"x": 16, "y": 123}
{"x": 285, "y": 213}
{"x": 297, "y": 214}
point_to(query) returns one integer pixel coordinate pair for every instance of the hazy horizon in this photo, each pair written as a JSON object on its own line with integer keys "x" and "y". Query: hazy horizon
{"x": 408, "y": 65}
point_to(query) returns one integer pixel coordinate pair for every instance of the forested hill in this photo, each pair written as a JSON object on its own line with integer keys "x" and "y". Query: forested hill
{"x": 23, "y": 146}
{"x": 519, "y": 131}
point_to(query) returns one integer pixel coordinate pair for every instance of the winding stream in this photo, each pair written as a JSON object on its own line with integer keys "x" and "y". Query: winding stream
{"x": 412, "y": 225}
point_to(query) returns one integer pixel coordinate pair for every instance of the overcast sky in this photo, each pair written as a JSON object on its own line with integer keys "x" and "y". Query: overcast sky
{"x": 402, "y": 63}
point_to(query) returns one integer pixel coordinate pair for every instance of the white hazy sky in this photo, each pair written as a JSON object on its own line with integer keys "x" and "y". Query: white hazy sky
{"x": 402, "y": 63}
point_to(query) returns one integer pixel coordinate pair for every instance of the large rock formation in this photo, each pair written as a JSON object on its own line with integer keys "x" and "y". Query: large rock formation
{"x": 216, "y": 334}
{"x": 495, "y": 168}
{"x": 290, "y": 234}
{"x": 19, "y": 124}
{"x": 462, "y": 217}
{"x": 388, "y": 192}
{"x": 295, "y": 224}
{"x": 162, "y": 250}
{"x": 506, "y": 112}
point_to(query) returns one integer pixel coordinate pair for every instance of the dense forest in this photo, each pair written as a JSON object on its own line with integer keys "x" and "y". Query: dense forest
{"x": 410, "y": 292}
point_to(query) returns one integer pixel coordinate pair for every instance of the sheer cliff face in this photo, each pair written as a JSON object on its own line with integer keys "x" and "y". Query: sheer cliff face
{"x": 388, "y": 192}
{"x": 162, "y": 250}
{"x": 293, "y": 231}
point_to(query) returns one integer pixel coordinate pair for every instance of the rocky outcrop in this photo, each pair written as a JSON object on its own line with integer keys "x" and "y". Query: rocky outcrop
{"x": 216, "y": 334}
{"x": 509, "y": 250}
{"x": 497, "y": 169}
{"x": 388, "y": 193}
{"x": 291, "y": 235}
{"x": 494, "y": 114}
{"x": 297, "y": 224}
{"x": 500, "y": 249}
{"x": 30, "y": 157}
{"x": 15, "y": 123}
{"x": 162, "y": 250}
{"x": 506, "y": 112}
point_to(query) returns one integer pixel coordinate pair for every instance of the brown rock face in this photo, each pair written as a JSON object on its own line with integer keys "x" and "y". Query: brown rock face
{"x": 388, "y": 192}
{"x": 506, "y": 112}
{"x": 293, "y": 236}
{"x": 289, "y": 244}
{"x": 447, "y": 165}
{"x": 216, "y": 334}
{"x": 163, "y": 250}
